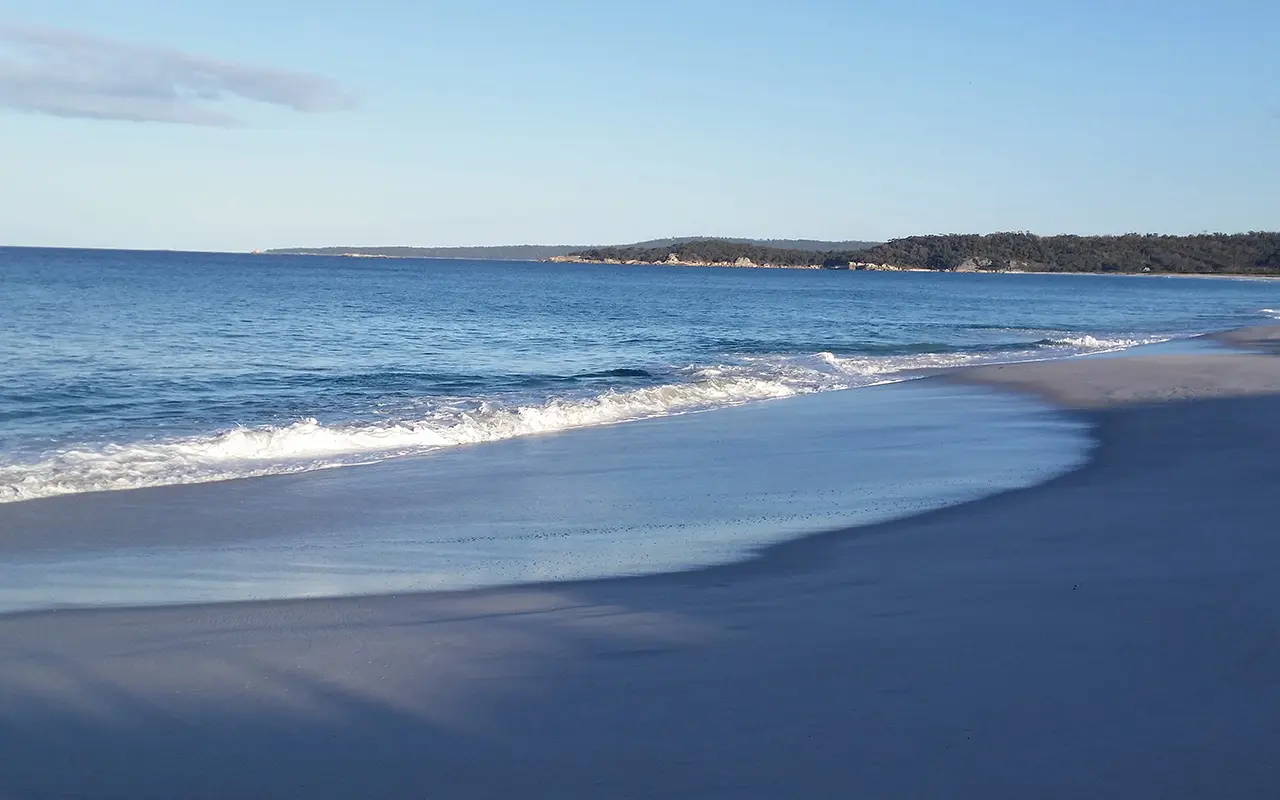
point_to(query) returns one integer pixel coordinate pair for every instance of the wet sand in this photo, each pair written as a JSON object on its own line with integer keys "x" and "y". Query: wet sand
{"x": 1112, "y": 633}
{"x": 1265, "y": 338}
{"x": 650, "y": 496}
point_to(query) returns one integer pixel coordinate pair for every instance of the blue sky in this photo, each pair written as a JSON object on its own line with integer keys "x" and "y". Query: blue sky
{"x": 236, "y": 125}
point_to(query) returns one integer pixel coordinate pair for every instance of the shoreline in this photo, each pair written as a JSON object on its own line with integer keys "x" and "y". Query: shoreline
{"x": 799, "y": 267}
{"x": 1022, "y": 378}
{"x": 677, "y": 493}
{"x": 819, "y": 267}
{"x": 1028, "y": 351}
{"x": 1108, "y": 633}
{"x": 1255, "y": 338}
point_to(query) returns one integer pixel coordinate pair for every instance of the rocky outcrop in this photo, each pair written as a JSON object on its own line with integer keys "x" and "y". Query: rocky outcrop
{"x": 867, "y": 266}
{"x": 973, "y": 264}
{"x": 673, "y": 260}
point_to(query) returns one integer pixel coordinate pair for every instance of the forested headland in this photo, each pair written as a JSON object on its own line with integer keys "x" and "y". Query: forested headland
{"x": 708, "y": 251}
{"x": 1256, "y": 253}
{"x": 539, "y": 252}
{"x": 1210, "y": 253}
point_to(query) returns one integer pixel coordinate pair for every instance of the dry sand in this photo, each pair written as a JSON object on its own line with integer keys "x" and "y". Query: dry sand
{"x": 1114, "y": 633}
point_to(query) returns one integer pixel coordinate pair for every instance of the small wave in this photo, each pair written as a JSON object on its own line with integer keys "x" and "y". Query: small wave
{"x": 308, "y": 444}
{"x": 1270, "y": 312}
{"x": 617, "y": 373}
{"x": 436, "y": 423}
{"x": 1089, "y": 343}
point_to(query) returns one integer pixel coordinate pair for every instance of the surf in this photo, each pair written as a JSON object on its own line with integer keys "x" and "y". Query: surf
{"x": 307, "y": 443}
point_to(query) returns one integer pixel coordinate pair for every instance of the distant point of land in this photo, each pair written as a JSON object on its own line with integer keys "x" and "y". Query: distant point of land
{"x": 1254, "y": 253}
{"x": 542, "y": 252}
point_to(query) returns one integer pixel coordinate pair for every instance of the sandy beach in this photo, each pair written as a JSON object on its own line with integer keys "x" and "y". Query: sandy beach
{"x": 1112, "y": 633}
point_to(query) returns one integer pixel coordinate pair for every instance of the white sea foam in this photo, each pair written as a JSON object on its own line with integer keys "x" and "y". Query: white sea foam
{"x": 1093, "y": 344}
{"x": 1270, "y": 312}
{"x": 309, "y": 444}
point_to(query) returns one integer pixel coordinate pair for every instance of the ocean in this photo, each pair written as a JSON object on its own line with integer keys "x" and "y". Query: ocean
{"x": 445, "y": 424}
{"x": 129, "y": 369}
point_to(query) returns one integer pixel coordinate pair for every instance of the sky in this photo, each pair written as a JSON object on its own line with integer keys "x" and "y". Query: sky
{"x": 246, "y": 124}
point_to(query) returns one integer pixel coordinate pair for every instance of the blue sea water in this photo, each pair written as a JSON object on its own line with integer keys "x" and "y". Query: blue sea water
{"x": 123, "y": 369}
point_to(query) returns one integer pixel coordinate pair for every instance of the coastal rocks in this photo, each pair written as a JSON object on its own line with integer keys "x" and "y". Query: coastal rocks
{"x": 673, "y": 260}
{"x": 865, "y": 266}
{"x": 743, "y": 261}
{"x": 982, "y": 264}
{"x": 973, "y": 264}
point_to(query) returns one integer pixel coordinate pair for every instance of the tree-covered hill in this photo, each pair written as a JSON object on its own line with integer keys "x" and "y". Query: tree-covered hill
{"x": 716, "y": 251}
{"x": 808, "y": 245}
{"x": 537, "y": 252}
{"x": 1256, "y": 253}
{"x": 1216, "y": 253}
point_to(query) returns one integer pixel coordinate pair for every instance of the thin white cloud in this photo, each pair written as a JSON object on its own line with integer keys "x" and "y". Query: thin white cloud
{"x": 67, "y": 74}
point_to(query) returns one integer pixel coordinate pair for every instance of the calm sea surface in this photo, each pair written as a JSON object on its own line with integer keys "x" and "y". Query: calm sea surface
{"x": 130, "y": 369}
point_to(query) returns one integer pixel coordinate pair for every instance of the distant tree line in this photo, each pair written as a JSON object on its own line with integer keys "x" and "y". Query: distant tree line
{"x": 714, "y": 251}
{"x": 1214, "y": 253}
{"x": 536, "y": 252}
{"x": 809, "y": 245}
{"x": 1256, "y": 253}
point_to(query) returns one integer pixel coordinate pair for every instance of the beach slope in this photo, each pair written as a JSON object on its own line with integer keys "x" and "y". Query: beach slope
{"x": 1113, "y": 633}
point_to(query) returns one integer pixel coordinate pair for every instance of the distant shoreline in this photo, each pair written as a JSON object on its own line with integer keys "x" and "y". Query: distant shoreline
{"x": 542, "y": 252}
{"x": 398, "y": 258}
{"x": 800, "y": 267}
{"x": 1256, "y": 253}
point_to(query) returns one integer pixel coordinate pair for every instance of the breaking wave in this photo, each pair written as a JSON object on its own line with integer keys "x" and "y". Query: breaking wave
{"x": 1270, "y": 312}
{"x": 1095, "y": 345}
{"x": 436, "y": 423}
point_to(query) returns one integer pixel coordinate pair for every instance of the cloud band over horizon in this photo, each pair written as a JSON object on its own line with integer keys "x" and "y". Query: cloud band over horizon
{"x": 67, "y": 74}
